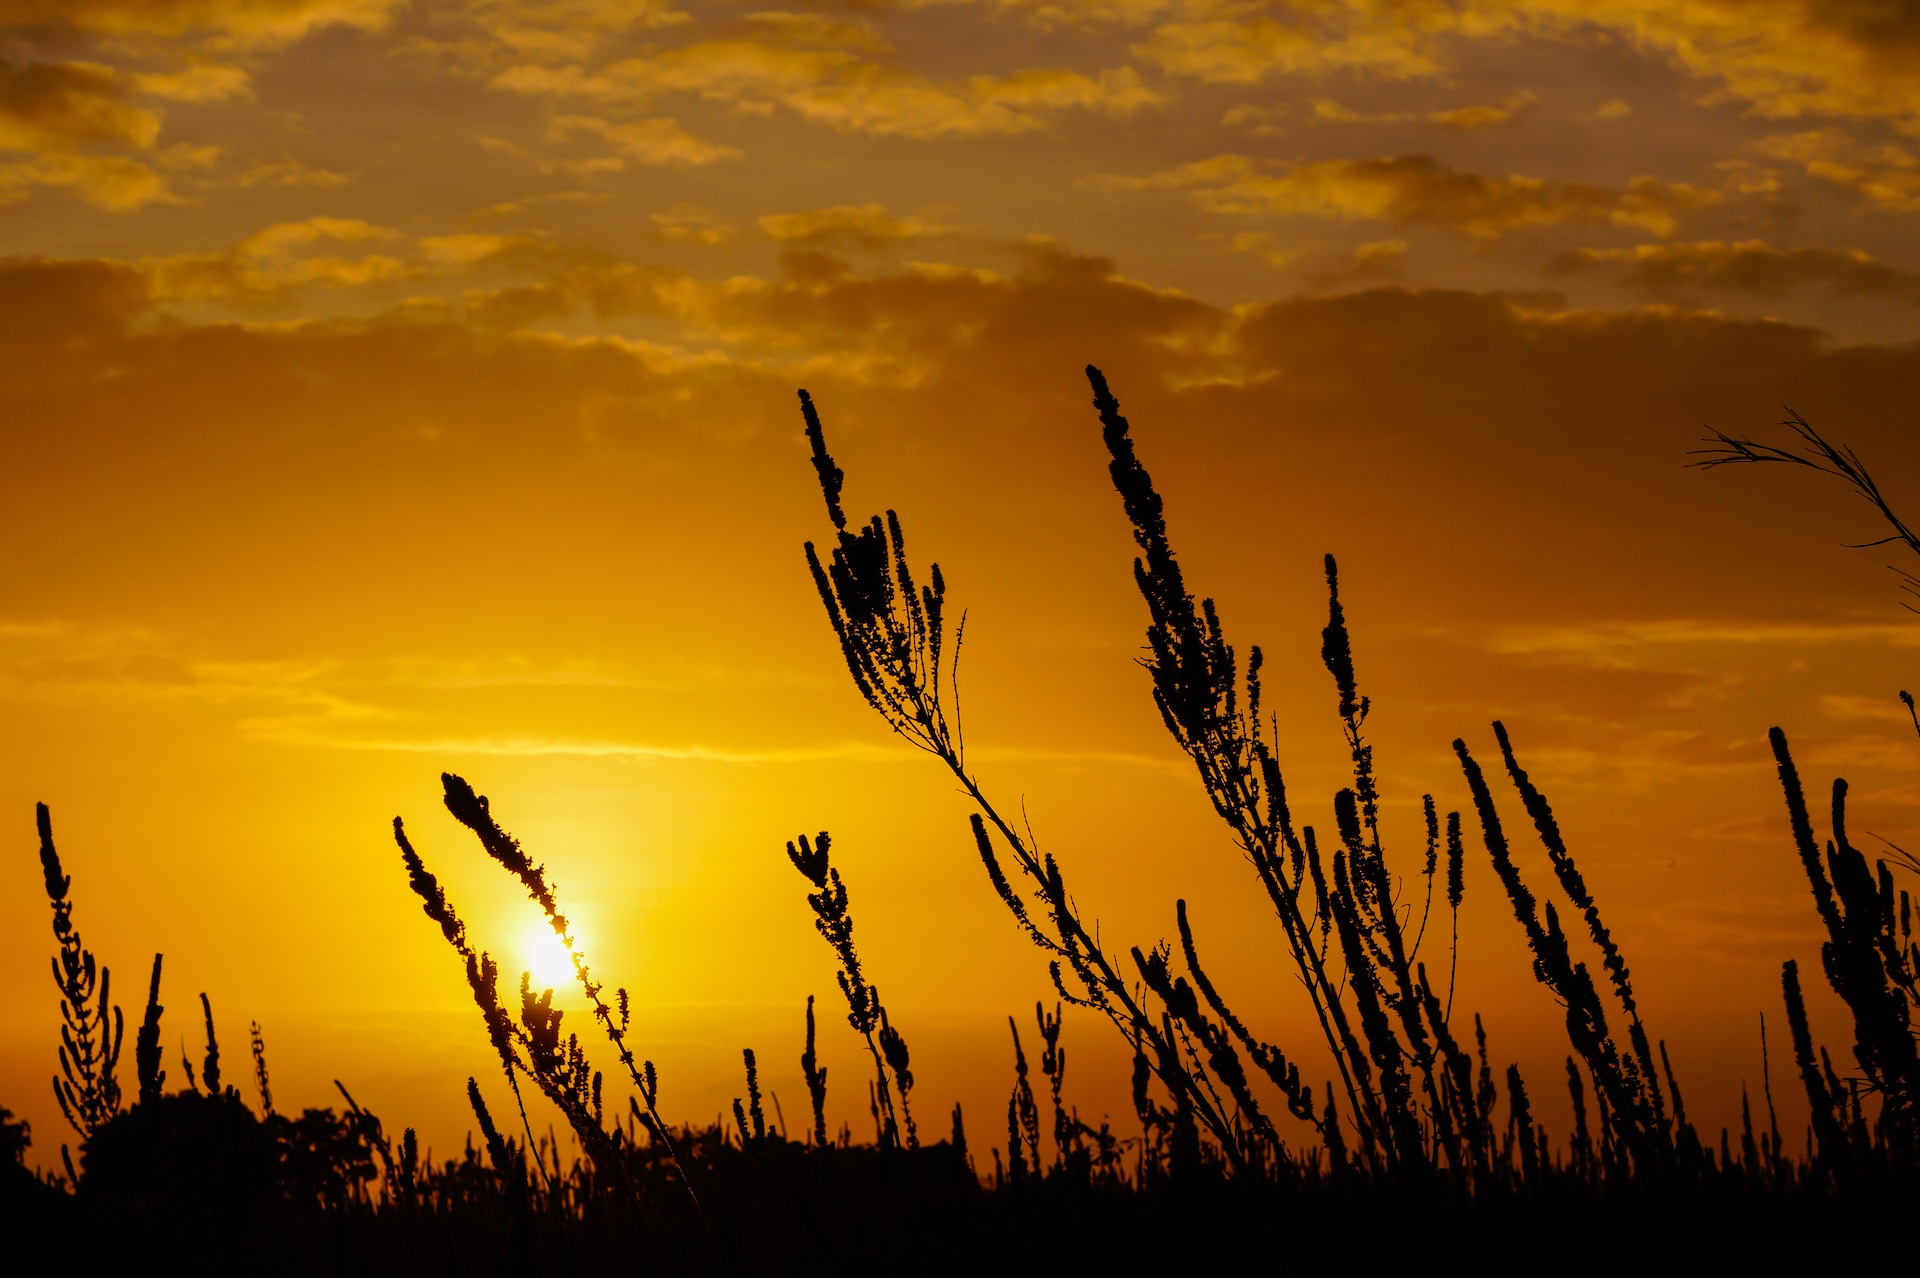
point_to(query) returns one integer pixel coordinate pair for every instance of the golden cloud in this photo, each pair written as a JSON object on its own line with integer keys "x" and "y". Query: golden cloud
{"x": 1888, "y": 175}
{"x": 111, "y": 183}
{"x": 1263, "y": 246}
{"x": 688, "y": 225}
{"x": 284, "y": 237}
{"x": 1786, "y": 58}
{"x": 1238, "y": 49}
{"x": 1451, "y": 401}
{"x": 1476, "y": 118}
{"x": 1384, "y": 365}
{"x": 841, "y": 90}
{"x": 1048, "y": 14}
{"x": 205, "y": 82}
{"x": 1419, "y": 188}
{"x": 562, "y": 30}
{"x": 867, "y": 225}
{"x": 288, "y": 172}
{"x": 265, "y": 23}
{"x": 813, "y": 28}
{"x": 271, "y": 264}
{"x": 62, "y": 105}
{"x": 1751, "y": 266}
{"x": 655, "y": 141}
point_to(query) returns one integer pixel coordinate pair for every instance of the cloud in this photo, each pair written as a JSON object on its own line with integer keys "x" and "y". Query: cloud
{"x": 71, "y": 664}
{"x": 836, "y": 88}
{"x": 51, "y": 300}
{"x": 1887, "y": 175}
{"x": 269, "y": 265}
{"x": 1786, "y": 59}
{"x": 1263, "y": 246}
{"x": 63, "y": 105}
{"x": 1847, "y": 706}
{"x": 467, "y": 247}
{"x": 205, "y": 82}
{"x": 560, "y": 31}
{"x": 52, "y": 111}
{"x": 190, "y": 157}
{"x": 241, "y": 23}
{"x": 1418, "y": 188}
{"x": 1480, "y": 117}
{"x": 1263, "y": 120}
{"x": 1751, "y": 266}
{"x": 288, "y": 172}
{"x": 868, "y": 226}
{"x": 307, "y": 733}
{"x": 1246, "y": 50}
{"x": 1047, "y": 14}
{"x": 655, "y": 141}
{"x": 111, "y": 183}
{"x": 1372, "y": 262}
{"x": 689, "y": 225}
{"x": 1624, "y": 641}
{"x": 282, "y": 238}
{"x": 817, "y": 29}
{"x": 1465, "y": 119}
{"x": 1518, "y": 433}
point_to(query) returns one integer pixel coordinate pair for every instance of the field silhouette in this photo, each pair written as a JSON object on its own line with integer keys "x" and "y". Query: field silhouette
{"x": 1422, "y": 1147}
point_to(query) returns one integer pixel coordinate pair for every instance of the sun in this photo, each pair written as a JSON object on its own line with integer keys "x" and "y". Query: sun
{"x": 542, "y": 954}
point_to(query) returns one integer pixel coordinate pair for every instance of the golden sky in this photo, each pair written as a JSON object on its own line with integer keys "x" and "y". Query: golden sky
{"x": 393, "y": 387}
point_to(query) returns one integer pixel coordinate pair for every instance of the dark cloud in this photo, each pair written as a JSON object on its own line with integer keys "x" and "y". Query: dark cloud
{"x": 1421, "y": 188}
{"x": 48, "y": 105}
{"x": 1748, "y": 267}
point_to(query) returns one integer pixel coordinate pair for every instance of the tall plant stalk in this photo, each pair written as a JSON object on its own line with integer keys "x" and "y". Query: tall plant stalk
{"x": 893, "y": 637}
{"x": 91, "y": 1028}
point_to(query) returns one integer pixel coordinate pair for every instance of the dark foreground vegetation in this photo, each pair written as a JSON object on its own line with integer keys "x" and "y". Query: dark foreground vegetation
{"x": 1411, "y": 1142}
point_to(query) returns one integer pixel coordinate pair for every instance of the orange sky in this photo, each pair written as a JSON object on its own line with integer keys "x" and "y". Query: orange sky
{"x": 388, "y": 388}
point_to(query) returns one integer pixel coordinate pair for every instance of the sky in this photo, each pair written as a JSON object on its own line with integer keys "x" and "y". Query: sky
{"x": 392, "y": 388}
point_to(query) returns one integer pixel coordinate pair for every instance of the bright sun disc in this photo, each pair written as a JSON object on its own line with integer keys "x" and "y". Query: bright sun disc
{"x": 542, "y": 954}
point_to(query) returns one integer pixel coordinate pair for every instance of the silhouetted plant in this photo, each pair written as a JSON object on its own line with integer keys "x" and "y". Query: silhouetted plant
{"x": 1371, "y": 1002}
{"x": 146, "y": 1045}
{"x": 1869, "y": 956}
{"x": 1870, "y": 959}
{"x": 472, "y": 811}
{"x": 816, "y": 1076}
{"x": 891, "y": 1072}
{"x": 90, "y": 1038}
{"x": 1818, "y": 454}
{"x": 1023, "y": 1117}
{"x": 1381, "y": 1020}
{"x": 750, "y": 1119}
{"x": 892, "y": 635}
{"x": 507, "y": 1163}
{"x": 1635, "y": 1111}
{"x": 532, "y": 1045}
{"x": 958, "y": 1137}
{"x": 210, "y": 1065}
{"x": 1053, "y": 1064}
{"x": 260, "y": 1079}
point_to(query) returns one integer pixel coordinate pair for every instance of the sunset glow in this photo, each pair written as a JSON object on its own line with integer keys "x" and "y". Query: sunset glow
{"x": 398, "y": 387}
{"x": 543, "y": 955}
